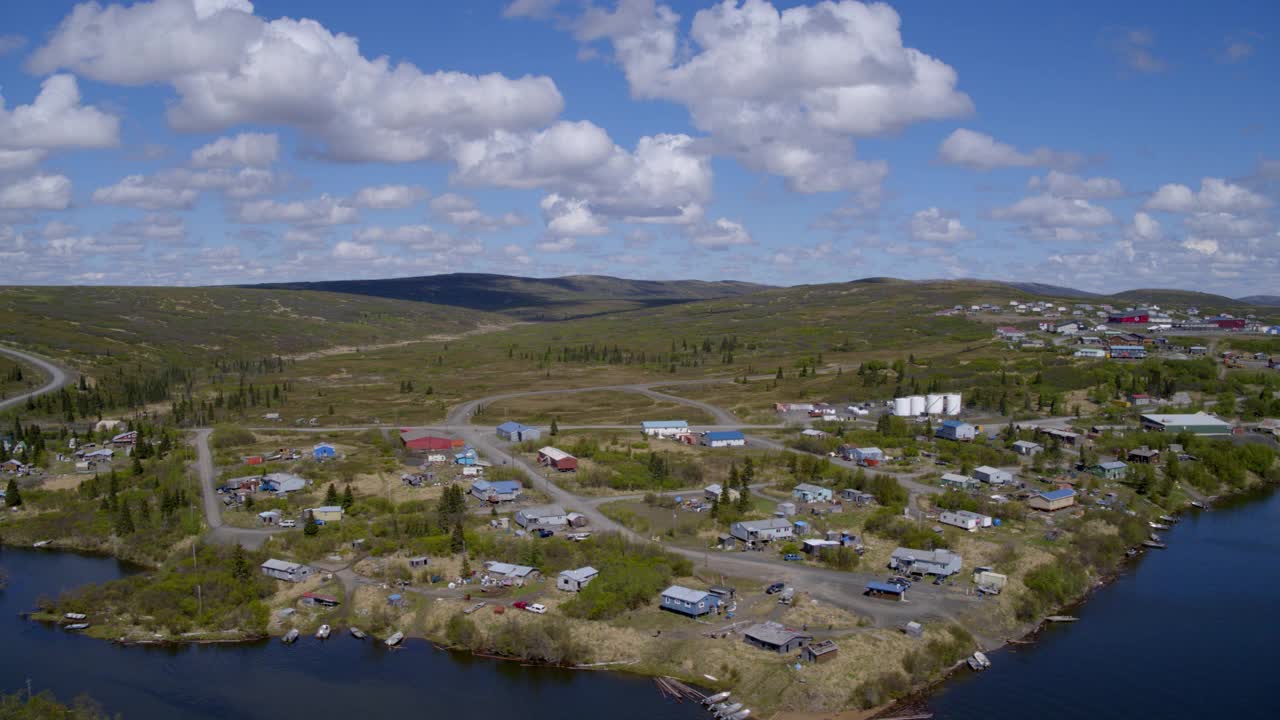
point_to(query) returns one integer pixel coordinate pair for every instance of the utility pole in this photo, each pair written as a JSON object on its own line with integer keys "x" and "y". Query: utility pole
{"x": 196, "y": 563}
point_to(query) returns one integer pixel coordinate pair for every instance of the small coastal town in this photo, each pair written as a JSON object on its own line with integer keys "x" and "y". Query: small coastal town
{"x": 696, "y": 360}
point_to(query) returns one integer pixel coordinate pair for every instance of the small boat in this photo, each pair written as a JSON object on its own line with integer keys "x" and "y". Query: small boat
{"x": 290, "y": 637}
{"x": 1155, "y": 544}
{"x": 75, "y": 616}
{"x": 77, "y": 626}
{"x": 1061, "y": 618}
{"x": 1154, "y": 537}
{"x": 729, "y": 710}
{"x": 717, "y": 698}
{"x": 41, "y": 543}
{"x": 741, "y": 715}
{"x": 395, "y": 639}
{"x": 323, "y": 632}
{"x": 1158, "y": 526}
{"x": 357, "y": 633}
{"x": 978, "y": 661}
{"x": 1168, "y": 519}
{"x": 1197, "y": 504}
{"x": 1131, "y": 552}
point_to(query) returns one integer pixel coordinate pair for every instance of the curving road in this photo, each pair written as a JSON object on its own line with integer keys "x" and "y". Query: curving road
{"x": 251, "y": 538}
{"x": 58, "y": 376}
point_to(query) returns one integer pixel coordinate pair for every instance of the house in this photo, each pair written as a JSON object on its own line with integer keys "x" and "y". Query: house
{"x": 542, "y": 516}
{"x": 755, "y": 532}
{"x": 857, "y": 497}
{"x": 956, "y": 430}
{"x": 664, "y": 428}
{"x": 107, "y": 425}
{"x": 958, "y": 481}
{"x": 785, "y": 509}
{"x": 714, "y": 491}
{"x": 12, "y": 466}
{"x": 1053, "y": 500}
{"x": 419, "y": 561}
{"x": 694, "y": 603}
{"x": 724, "y": 438}
{"x": 925, "y": 562}
{"x": 815, "y": 546}
{"x": 775, "y": 637}
{"x": 327, "y": 513}
{"x": 1011, "y": 334}
{"x": 1028, "y": 448}
{"x": 1090, "y": 352}
{"x": 1114, "y": 470}
{"x": 1067, "y": 328}
{"x": 809, "y": 493}
{"x": 1196, "y": 423}
{"x": 421, "y": 440}
{"x": 991, "y": 581}
{"x": 269, "y": 517}
{"x": 1127, "y": 352}
{"x": 1144, "y": 454}
{"x": 323, "y": 451}
{"x": 467, "y": 458}
{"x": 957, "y": 520}
{"x": 1129, "y": 318}
{"x": 993, "y": 476}
{"x": 558, "y": 459}
{"x": 866, "y": 456}
{"x": 282, "y": 483}
{"x": 1138, "y": 399}
{"x": 497, "y": 491}
{"x": 575, "y": 580}
{"x": 519, "y": 574}
{"x": 127, "y": 438}
{"x": 814, "y": 433}
{"x": 285, "y": 570}
{"x": 820, "y": 652}
{"x": 320, "y": 600}
{"x": 515, "y": 432}
{"x": 1066, "y": 437}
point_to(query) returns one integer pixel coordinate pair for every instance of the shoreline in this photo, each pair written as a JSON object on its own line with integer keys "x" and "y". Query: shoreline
{"x": 916, "y": 700}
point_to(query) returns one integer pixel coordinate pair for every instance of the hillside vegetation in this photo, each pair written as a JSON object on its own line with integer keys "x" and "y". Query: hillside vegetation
{"x": 175, "y": 324}
{"x": 560, "y": 298}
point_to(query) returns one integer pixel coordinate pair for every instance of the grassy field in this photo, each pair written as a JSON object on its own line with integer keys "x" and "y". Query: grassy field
{"x": 17, "y": 377}
{"x": 589, "y": 408}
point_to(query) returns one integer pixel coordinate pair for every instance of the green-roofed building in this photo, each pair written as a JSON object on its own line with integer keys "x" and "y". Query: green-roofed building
{"x": 1196, "y": 423}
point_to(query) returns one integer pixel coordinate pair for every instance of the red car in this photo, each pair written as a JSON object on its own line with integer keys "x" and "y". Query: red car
{"x": 520, "y": 605}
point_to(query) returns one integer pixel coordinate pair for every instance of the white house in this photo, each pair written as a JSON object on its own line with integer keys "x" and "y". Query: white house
{"x": 714, "y": 491}
{"x": 956, "y": 430}
{"x": 575, "y": 580}
{"x": 957, "y": 520}
{"x": 925, "y": 562}
{"x": 993, "y": 476}
{"x": 807, "y": 492}
{"x": 542, "y": 516}
{"x": 762, "y": 531}
{"x": 1028, "y": 448}
{"x": 664, "y": 428}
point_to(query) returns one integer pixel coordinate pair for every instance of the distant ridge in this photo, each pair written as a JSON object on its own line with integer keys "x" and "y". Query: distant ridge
{"x": 1265, "y": 300}
{"x": 561, "y": 298}
{"x": 1052, "y": 290}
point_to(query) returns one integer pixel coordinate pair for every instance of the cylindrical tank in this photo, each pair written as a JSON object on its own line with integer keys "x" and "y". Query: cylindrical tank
{"x": 934, "y": 403}
{"x": 902, "y": 406}
{"x": 952, "y": 404}
{"x": 917, "y": 404}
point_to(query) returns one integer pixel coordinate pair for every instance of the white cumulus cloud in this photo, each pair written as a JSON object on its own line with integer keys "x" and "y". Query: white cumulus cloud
{"x": 720, "y": 235}
{"x": 936, "y": 226}
{"x": 1215, "y": 195}
{"x": 38, "y": 192}
{"x": 980, "y": 151}
{"x": 245, "y": 149}
{"x": 388, "y": 197}
{"x": 56, "y": 119}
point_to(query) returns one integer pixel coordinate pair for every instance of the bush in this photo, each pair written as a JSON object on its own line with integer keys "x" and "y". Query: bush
{"x": 229, "y": 436}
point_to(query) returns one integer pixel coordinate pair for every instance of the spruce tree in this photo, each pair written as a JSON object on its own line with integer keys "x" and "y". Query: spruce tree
{"x": 458, "y": 542}
{"x": 331, "y": 495}
{"x": 12, "y": 498}
{"x": 240, "y": 569}
{"x": 311, "y": 527}
{"x": 348, "y": 498}
{"x": 124, "y": 520}
{"x": 555, "y": 427}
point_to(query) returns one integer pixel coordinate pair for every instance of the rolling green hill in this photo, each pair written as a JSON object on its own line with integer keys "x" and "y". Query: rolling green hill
{"x": 533, "y": 299}
{"x": 172, "y": 324}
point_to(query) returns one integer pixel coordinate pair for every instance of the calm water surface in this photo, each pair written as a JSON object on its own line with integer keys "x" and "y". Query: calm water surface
{"x": 340, "y": 678}
{"x": 1189, "y": 632}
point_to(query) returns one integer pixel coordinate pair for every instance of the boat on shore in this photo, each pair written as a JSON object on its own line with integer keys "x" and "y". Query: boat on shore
{"x": 1197, "y": 504}
{"x": 1155, "y": 544}
{"x": 978, "y": 661}
{"x": 1167, "y": 519}
{"x": 75, "y": 617}
{"x": 323, "y": 632}
{"x": 717, "y": 698}
{"x": 357, "y": 633}
{"x": 290, "y": 637}
{"x": 77, "y": 626}
{"x": 1158, "y": 526}
{"x": 395, "y": 639}
{"x": 1061, "y": 618}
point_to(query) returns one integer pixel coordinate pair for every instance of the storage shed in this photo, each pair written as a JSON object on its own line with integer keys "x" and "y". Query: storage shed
{"x": 558, "y": 459}
{"x": 724, "y": 438}
{"x": 515, "y": 432}
{"x": 775, "y": 637}
{"x": 575, "y": 580}
{"x": 1053, "y": 500}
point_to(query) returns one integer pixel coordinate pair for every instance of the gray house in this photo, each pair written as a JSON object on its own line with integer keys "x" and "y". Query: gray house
{"x": 686, "y": 601}
{"x": 1028, "y": 448}
{"x": 956, "y": 430}
{"x": 925, "y": 562}
{"x": 575, "y": 580}
{"x": 515, "y": 432}
{"x": 286, "y": 571}
{"x": 542, "y": 516}
{"x": 774, "y": 637}
{"x": 993, "y": 476}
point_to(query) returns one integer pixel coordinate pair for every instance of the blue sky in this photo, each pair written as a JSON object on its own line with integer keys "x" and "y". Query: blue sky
{"x": 1105, "y": 146}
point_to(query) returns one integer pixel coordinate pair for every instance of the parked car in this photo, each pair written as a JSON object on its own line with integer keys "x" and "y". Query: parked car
{"x": 288, "y": 523}
{"x": 900, "y": 582}
{"x": 520, "y": 605}
{"x": 537, "y": 608}
{"x": 774, "y": 588}
{"x": 545, "y": 533}
{"x": 792, "y": 557}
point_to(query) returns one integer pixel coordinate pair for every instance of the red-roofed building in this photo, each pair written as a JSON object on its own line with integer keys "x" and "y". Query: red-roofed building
{"x": 421, "y": 440}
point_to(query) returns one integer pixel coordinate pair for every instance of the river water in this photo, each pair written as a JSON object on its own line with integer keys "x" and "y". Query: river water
{"x": 338, "y": 678}
{"x": 1189, "y": 632}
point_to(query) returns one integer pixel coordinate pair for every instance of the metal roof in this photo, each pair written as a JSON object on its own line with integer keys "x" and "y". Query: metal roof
{"x": 1199, "y": 418}
{"x": 1062, "y": 494}
{"x": 543, "y": 511}
{"x": 554, "y": 453}
{"x": 772, "y": 633}
{"x": 1113, "y": 465}
{"x": 512, "y": 426}
{"x": 725, "y": 435}
{"x": 582, "y": 574}
{"x": 282, "y": 565}
{"x": 883, "y": 587}
{"x": 766, "y": 524}
{"x": 679, "y": 592}
{"x": 811, "y": 488}
{"x": 659, "y": 424}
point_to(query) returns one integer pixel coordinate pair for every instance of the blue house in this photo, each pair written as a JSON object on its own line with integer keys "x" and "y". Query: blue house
{"x": 694, "y": 603}
{"x": 869, "y": 456}
{"x": 497, "y": 491}
{"x": 323, "y": 451}
{"x": 515, "y": 432}
{"x": 466, "y": 457}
